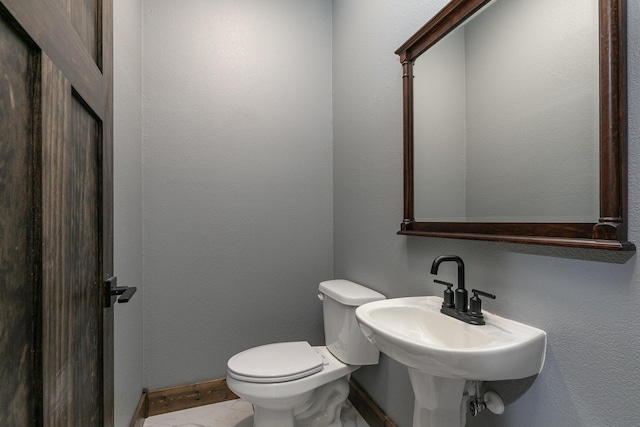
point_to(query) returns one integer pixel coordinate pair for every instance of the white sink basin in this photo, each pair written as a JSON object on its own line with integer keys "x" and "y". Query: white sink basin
{"x": 413, "y": 332}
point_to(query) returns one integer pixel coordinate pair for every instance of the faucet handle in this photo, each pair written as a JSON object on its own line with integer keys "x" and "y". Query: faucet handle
{"x": 448, "y": 293}
{"x": 475, "y": 303}
{"x": 477, "y": 292}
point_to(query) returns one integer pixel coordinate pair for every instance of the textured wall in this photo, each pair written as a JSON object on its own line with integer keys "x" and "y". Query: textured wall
{"x": 127, "y": 123}
{"x": 237, "y": 211}
{"x": 587, "y": 301}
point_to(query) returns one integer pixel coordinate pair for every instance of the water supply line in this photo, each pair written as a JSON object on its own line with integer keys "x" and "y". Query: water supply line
{"x": 491, "y": 401}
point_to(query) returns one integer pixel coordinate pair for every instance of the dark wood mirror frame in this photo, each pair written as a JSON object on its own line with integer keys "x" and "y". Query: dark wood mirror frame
{"x": 610, "y": 232}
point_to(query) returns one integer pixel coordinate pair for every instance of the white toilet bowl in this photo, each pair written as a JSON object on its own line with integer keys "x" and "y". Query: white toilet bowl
{"x": 315, "y": 394}
{"x": 293, "y": 384}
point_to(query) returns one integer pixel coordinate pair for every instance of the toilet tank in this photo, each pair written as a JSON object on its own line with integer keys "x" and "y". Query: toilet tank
{"x": 343, "y": 336}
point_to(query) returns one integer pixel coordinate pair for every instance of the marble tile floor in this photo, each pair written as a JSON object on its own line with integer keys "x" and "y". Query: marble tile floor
{"x": 233, "y": 413}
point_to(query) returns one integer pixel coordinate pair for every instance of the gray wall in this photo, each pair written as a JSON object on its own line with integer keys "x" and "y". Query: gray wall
{"x": 237, "y": 207}
{"x": 586, "y": 301}
{"x": 128, "y": 204}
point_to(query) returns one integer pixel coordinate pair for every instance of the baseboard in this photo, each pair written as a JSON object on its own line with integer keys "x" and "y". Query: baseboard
{"x": 368, "y": 409}
{"x": 205, "y": 393}
{"x": 141, "y": 411}
{"x": 188, "y": 396}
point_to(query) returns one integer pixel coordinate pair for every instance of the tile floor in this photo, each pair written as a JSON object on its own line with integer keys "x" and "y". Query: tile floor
{"x": 233, "y": 413}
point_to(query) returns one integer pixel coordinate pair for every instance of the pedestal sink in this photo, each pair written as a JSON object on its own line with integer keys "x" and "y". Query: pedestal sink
{"x": 443, "y": 353}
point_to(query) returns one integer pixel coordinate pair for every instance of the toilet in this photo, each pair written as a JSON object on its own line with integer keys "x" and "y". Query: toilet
{"x": 294, "y": 384}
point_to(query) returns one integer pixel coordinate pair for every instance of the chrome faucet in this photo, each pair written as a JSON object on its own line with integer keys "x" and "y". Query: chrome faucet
{"x": 455, "y": 303}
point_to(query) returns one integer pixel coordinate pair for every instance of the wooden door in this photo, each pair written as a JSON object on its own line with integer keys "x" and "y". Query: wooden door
{"x": 56, "y": 238}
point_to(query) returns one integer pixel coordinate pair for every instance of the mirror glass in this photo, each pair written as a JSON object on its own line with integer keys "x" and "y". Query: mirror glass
{"x": 506, "y": 116}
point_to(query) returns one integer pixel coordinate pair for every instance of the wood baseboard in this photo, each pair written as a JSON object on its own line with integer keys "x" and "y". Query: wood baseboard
{"x": 141, "y": 411}
{"x": 368, "y": 409}
{"x": 188, "y": 396}
{"x": 205, "y": 393}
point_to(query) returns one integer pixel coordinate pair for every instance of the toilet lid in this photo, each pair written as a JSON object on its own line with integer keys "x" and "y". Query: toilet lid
{"x": 273, "y": 363}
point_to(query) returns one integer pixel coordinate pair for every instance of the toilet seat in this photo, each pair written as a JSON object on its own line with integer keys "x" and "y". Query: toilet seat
{"x": 274, "y": 363}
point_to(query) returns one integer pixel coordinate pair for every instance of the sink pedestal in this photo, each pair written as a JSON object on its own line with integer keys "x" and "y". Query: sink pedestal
{"x": 439, "y": 401}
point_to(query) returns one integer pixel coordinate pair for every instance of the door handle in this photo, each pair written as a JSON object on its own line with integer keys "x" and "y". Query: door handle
{"x": 112, "y": 291}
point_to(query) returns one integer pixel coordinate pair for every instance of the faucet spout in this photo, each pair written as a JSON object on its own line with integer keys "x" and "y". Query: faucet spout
{"x": 460, "y": 295}
{"x": 453, "y": 258}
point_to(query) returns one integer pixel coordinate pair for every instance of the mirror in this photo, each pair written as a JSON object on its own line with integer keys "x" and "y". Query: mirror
{"x": 515, "y": 123}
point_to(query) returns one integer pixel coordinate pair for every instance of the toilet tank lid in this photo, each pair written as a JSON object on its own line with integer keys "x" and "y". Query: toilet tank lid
{"x": 349, "y": 293}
